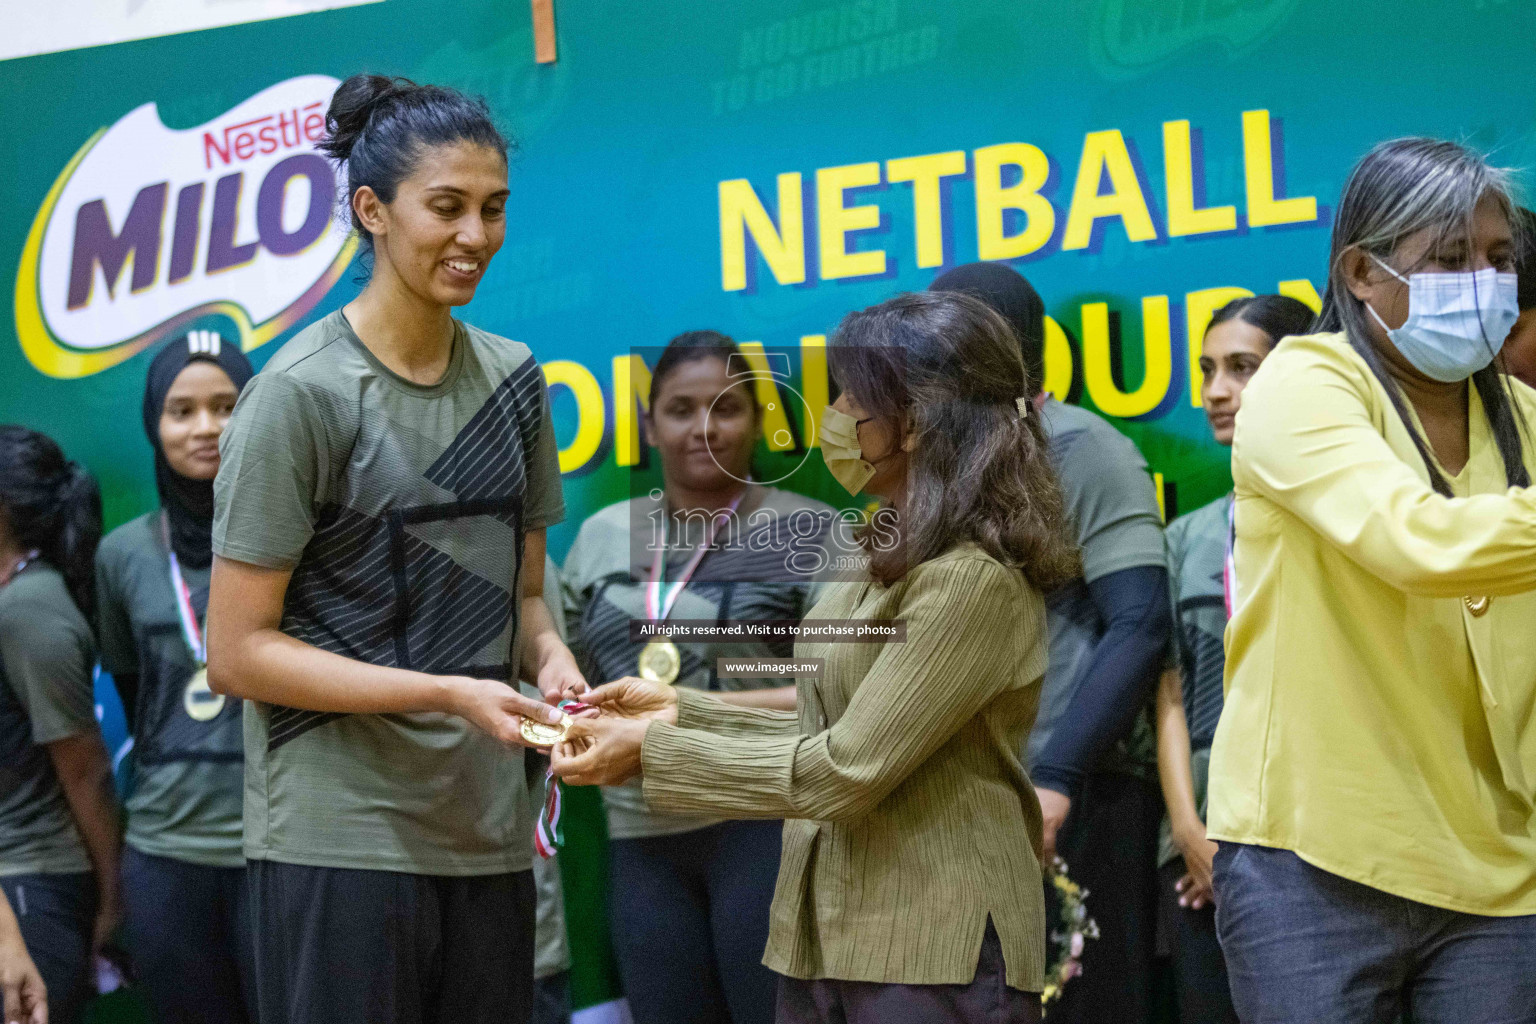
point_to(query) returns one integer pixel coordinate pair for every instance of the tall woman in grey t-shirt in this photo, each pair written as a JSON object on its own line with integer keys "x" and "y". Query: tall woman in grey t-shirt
{"x": 689, "y": 894}
{"x": 58, "y": 813}
{"x": 184, "y": 868}
{"x": 385, "y": 485}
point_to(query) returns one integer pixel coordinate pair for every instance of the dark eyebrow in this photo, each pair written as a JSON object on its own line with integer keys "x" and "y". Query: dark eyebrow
{"x": 456, "y": 191}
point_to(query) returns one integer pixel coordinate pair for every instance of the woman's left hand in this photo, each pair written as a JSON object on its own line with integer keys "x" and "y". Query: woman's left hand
{"x": 600, "y": 751}
{"x": 560, "y": 679}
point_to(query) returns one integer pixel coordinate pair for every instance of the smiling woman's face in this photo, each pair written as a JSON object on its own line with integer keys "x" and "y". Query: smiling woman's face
{"x": 446, "y": 221}
{"x": 195, "y": 413}
{"x": 705, "y": 425}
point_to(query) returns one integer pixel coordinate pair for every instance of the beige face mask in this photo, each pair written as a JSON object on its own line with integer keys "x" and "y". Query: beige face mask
{"x": 841, "y": 452}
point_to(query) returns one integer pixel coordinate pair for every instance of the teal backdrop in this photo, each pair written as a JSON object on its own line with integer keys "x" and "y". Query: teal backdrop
{"x": 743, "y": 167}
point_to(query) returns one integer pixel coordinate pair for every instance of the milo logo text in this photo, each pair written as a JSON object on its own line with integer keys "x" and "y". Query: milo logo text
{"x": 150, "y": 229}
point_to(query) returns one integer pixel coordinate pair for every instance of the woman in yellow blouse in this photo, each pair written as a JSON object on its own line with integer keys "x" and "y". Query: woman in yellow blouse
{"x": 1373, "y": 775}
{"x": 909, "y": 888}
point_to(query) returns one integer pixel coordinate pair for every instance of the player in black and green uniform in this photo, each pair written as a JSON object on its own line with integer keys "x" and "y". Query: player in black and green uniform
{"x": 377, "y": 591}
{"x": 184, "y": 867}
{"x": 58, "y": 814}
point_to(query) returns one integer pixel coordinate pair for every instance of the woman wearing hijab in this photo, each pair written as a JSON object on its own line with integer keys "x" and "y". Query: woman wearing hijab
{"x": 183, "y": 869}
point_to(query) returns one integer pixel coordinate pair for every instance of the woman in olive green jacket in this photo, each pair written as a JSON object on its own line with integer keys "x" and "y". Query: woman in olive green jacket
{"x": 910, "y": 885}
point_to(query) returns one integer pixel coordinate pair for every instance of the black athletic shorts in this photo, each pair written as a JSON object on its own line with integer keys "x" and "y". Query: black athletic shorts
{"x": 344, "y": 946}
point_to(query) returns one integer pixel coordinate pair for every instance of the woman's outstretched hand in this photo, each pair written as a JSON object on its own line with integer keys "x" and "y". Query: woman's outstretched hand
{"x": 602, "y": 750}
{"x": 497, "y": 708}
{"x": 631, "y": 697}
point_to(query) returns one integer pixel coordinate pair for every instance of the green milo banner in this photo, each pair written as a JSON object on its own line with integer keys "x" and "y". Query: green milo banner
{"x": 758, "y": 168}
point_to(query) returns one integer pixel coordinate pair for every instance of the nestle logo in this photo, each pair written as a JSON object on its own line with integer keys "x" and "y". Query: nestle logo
{"x": 264, "y": 135}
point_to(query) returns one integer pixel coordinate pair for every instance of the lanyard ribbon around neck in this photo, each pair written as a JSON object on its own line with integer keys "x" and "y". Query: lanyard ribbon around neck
{"x": 191, "y": 632}
{"x": 659, "y": 598}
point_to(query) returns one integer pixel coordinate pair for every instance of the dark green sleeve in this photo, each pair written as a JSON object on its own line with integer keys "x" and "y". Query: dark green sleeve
{"x": 544, "y": 504}
{"x": 46, "y": 646}
{"x": 273, "y": 474}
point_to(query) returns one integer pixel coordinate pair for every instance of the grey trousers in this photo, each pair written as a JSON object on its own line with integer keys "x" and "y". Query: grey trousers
{"x": 986, "y": 1000}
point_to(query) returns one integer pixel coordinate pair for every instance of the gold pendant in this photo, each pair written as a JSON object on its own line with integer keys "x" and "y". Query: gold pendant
{"x": 542, "y": 734}
{"x": 202, "y": 704}
{"x": 660, "y": 661}
{"x": 1478, "y": 606}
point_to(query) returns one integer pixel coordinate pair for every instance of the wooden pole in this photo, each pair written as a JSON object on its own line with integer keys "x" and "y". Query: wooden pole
{"x": 544, "y": 31}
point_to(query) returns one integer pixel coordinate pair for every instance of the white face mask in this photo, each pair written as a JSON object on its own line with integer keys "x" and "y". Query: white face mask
{"x": 1456, "y": 322}
{"x": 841, "y": 451}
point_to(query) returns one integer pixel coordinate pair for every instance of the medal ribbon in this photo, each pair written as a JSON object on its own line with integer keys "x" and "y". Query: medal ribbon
{"x": 548, "y": 834}
{"x": 1229, "y": 564}
{"x": 659, "y": 605}
{"x": 184, "y": 611}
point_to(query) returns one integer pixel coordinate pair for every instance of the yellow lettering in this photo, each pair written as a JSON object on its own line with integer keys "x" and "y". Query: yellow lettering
{"x": 631, "y": 387}
{"x": 775, "y": 423}
{"x": 1106, "y": 152}
{"x": 1199, "y": 307}
{"x": 1162, "y": 501}
{"x": 782, "y": 244}
{"x": 590, "y": 414}
{"x": 1179, "y": 174}
{"x": 1157, "y": 349}
{"x": 1058, "y": 361}
{"x": 1258, "y": 164}
{"x": 813, "y": 384}
{"x": 835, "y": 221}
{"x": 1302, "y": 291}
{"x": 925, "y": 172}
{"x": 992, "y": 199}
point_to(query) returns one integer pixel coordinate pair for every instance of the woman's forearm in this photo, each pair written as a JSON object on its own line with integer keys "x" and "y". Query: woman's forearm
{"x": 779, "y": 698}
{"x": 251, "y": 658}
{"x": 541, "y": 639}
{"x": 268, "y": 665}
{"x": 1173, "y": 754}
{"x": 84, "y": 770}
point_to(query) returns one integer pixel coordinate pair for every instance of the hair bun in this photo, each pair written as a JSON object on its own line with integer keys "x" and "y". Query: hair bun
{"x": 352, "y": 107}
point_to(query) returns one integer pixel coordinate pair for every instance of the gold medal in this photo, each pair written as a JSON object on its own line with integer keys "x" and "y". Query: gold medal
{"x": 660, "y": 662}
{"x": 202, "y": 704}
{"x": 542, "y": 734}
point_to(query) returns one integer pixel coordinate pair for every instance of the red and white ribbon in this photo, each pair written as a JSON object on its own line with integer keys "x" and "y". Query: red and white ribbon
{"x": 658, "y": 604}
{"x": 190, "y": 631}
{"x": 548, "y": 835}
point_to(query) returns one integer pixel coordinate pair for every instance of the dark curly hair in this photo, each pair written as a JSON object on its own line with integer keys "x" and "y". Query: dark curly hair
{"x": 944, "y": 368}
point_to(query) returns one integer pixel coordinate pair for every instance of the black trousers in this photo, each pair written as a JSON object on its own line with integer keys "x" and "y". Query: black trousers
{"x": 1200, "y": 973}
{"x": 57, "y": 913}
{"x": 344, "y": 946}
{"x": 189, "y": 933}
{"x": 986, "y": 1000}
{"x": 690, "y": 923}
{"x": 1109, "y": 842}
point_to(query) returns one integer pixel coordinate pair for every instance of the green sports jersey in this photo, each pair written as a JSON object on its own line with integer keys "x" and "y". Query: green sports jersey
{"x": 46, "y": 695}
{"x": 401, "y": 510}
{"x": 188, "y": 748}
